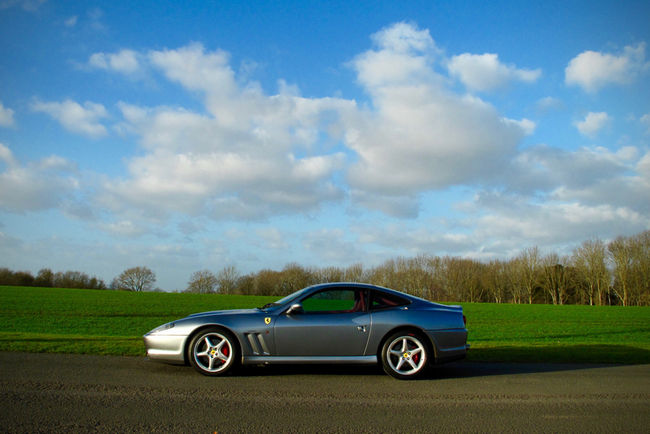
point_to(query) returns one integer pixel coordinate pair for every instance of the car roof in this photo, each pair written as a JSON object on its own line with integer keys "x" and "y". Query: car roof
{"x": 320, "y": 286}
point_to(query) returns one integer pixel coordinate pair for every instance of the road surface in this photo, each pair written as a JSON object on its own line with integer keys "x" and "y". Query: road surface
{"x": 75, "y": 393}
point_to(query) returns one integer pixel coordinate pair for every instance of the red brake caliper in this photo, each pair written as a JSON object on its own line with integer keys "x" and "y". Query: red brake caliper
{"x": 225, "y": 351}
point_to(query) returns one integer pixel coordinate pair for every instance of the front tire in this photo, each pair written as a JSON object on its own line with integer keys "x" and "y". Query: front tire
{"x": 213, "y": 351}
{"x": 405, "y": 355}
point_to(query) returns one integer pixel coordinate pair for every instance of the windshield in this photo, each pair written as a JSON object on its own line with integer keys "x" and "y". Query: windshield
{"x": 284, "y": 300}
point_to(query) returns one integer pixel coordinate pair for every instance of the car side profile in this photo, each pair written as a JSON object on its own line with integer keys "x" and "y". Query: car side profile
{"x": 350, "y": 323}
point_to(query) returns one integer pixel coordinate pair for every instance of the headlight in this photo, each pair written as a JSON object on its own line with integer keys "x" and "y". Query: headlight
{"x": 162, "y": 328}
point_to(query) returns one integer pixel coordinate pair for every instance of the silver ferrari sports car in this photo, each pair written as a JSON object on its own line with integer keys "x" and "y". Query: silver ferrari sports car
{"x": 328, "y": 323}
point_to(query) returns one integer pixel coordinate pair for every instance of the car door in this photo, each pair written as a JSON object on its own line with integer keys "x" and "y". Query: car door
{"x": 333, "y": 322}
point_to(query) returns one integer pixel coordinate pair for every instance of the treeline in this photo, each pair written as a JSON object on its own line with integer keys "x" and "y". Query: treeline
{"x": 596, "y": 273}
{"x": 47, "y": 278}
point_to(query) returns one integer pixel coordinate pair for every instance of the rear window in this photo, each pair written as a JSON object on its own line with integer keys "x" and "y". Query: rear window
{"x": 383, "y": 300}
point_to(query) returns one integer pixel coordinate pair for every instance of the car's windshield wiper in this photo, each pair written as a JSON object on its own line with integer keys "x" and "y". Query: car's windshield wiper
{"x": 266, "y": 305}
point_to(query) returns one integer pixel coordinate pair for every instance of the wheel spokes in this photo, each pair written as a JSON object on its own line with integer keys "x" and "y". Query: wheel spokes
{"x": 216, "y": 349}
{"x": 406, "y": 355}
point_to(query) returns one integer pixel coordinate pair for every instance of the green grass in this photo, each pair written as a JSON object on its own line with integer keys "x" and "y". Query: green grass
{"x": 96, "y": 322}
{"x": 113, "y": 322}
{"x": 547, "y": 333}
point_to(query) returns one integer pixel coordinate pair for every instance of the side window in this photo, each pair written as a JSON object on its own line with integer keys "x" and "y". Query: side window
{"x": 335, "y": 301}
{"x": 383, "y": 300}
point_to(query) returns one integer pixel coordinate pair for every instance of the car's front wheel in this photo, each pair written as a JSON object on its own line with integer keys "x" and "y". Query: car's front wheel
{"x": 404, "y": 355}
{"x": 212, "y": 351}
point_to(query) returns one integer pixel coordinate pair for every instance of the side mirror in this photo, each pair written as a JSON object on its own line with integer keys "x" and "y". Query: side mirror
{"x": 295, "y": 308}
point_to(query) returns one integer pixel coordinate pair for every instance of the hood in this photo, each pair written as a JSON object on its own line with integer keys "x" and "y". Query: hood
{"x": 224, "y": 312}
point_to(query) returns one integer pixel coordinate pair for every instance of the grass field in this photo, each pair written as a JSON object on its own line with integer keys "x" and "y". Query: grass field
{"x": 113, "y": 322}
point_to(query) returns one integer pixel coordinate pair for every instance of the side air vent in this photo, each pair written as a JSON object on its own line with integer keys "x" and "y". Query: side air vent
{"x": 257, "y": 343}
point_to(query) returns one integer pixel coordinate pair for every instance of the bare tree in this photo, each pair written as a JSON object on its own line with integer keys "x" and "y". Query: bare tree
{"x": 496, "y": 280}
{"x": 202, "y": 282}
{"x": 556, "y": 277}
{"x": 136, "y": 279}
{"x": 620, "y": 252}
{"x": 589, "y": 261}
{"x": 354, "y": 273}
{"x": 641, "y": 252}
{"x": 227, "y": 279}
{"x": 528, "y": 268}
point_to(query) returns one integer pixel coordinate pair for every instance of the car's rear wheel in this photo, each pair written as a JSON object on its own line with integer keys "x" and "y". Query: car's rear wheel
{"x": 405, "y": 355}
{"x": 212, "y": 351}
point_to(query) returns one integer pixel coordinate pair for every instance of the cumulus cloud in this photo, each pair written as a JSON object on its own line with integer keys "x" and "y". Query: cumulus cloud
{"x": 6, "y": 116}
{"x": 593, "y": 123}
{"x": 550, "y": 223}
{"x": 249, "y": 156}
{"x": 588, "y": 176}
{"x": 419, "y": 135}
{"x": 593, "y": 70}
{"x": 484, "y": 72}
{"x": 40, "y": 185}
{"x": 124, "y": 61}
{"x": 84, "y": 120}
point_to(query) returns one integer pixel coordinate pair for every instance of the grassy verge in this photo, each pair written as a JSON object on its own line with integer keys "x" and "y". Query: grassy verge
{"x": 546, "y": 333}
{"x": 108, "y": 322}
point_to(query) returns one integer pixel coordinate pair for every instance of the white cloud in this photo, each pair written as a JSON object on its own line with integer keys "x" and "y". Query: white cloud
{"x": 403, "y": 38}
{"x": 588, "y": 176}
{"x": 250, "y": 156}
{"x": 75, "y": 117}
{"x": 484, "y": 72}
{"x": 593, "y": 123}
{"x": 124, "y": 61}
{"x": 526, "y": 125}
{"x": 549, "y": 103}
{"x": 36, "y": 186}
{"x": 6, "y": 116}
{"x": 593, "y": 70}
{"x": 419, "y": 135}
{"x": 551, "y": 223}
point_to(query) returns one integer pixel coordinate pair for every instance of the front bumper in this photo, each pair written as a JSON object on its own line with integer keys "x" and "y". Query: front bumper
{"x": 165, "y": 348}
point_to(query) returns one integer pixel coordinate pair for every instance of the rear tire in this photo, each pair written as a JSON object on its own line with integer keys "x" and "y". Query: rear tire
{"x": 213, "y": 351}
{"x": 405, "y": 355}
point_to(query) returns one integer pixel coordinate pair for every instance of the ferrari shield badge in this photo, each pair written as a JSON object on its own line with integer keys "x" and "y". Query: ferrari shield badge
{"x": 267, "y": 320}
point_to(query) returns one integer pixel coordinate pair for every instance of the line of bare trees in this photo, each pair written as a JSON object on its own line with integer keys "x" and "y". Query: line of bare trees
{"x": 132, "y": 279}
{"x": 596, "y": 273}
{"x": 47, "y": 278}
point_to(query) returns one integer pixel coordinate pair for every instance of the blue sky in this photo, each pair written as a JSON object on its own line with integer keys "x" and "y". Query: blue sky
{"x": 196, "y": 135}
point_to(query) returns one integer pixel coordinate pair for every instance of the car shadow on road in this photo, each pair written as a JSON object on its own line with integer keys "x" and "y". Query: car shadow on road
{"x": 461, "y": 369}
{"x": 466, "y": 369}
{"x": 535, "y": 362}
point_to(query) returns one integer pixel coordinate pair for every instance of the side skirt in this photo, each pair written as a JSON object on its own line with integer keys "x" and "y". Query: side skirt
{"x": 351, "y": 360}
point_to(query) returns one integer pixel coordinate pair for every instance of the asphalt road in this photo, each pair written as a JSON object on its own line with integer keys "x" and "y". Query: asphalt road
{"x": 72, "y": 393}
